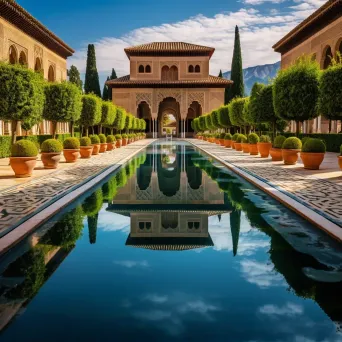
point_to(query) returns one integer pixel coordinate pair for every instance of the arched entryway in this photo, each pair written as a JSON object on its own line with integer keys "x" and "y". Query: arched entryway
{"x": 194, "y": 111}
{"x": 168, "y": 109}
{"x": 144, "y": 112}
{"x": 327, "y": 57}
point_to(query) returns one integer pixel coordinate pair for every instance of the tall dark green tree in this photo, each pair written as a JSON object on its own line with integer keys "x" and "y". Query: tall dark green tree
{"x": 92, "y": 83}
{"x": 220, "y": 74}
{"x": 112, "y": 77}
{"x": 74, "y": 77}
{"x": 235, "y": 223}
{"x": 105, "y": 93}
{"x": 238, "y": 87}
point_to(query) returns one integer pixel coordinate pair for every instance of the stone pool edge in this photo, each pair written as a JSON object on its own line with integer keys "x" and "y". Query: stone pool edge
{"x": 309, "y": 214}
{"x": 43, "y": 215}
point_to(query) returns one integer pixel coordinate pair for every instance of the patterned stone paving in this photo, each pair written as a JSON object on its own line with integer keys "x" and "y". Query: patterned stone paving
{"x": 321, "y": 195}
{"x": 18, "y": 203}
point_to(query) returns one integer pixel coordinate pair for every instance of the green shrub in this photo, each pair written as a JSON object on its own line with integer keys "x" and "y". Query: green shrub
{"x": 265, "y": 139}
{"x": 95, "y": 139}
{"x": 102, "y": 138}
{"x": 341, "y": 150}
{"x": 241, "y": 139}
{"x": 51, "y": 146}
{"x": 24, "y": 148}
{"x": 222, "y": 135}
{"x": 111, "y": 139}
{"x": 71, "y": 144}
{"x": 85, "y": 141}
{"x": 253, "y": 138}
{"x": 292, "y": 143}
{"x": 235, "y": 136}
{"x": 304, "y": 140}
{"x": 91, "y": 113}
{"x": 236, "y": 107}
{"x": 228, "y": 136}
{"x": 279, "y": 141}
{"x": 314, "y": 146}
{"x": 118, "y": 136}
{"x": 92, "y": 205}
{"x": 124, "y": 136}
{"x": 217, "y": 135}
{"x": 5, "y": 146}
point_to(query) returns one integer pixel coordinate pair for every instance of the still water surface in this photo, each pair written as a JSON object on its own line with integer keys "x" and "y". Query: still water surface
{"x": 173, "y": 247}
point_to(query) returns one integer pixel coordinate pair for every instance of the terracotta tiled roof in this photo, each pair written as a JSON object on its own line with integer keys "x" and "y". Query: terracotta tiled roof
{"x": 211, "y": 81}
{"x": 169, "y": 48}
{"x": 19, "y": 17}
{"x": 332, "y": 9}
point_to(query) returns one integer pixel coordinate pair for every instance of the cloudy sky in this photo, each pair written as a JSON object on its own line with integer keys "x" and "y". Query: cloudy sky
{"x": 113, "y": 25}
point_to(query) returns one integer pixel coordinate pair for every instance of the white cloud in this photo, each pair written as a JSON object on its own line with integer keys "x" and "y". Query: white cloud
{"x": 132, "y": 263}
{"x": 157, "y": 299}
{"x": 290, "y": 309}
{"x": 259, "y": 2}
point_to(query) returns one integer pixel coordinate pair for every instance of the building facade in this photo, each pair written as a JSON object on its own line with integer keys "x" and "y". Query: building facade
{"x": 24, "y": 40}
{"x": 169, "y": 78}
{"x": 320, "y": 36}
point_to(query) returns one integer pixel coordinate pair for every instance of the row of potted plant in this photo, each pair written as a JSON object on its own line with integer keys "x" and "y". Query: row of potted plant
{"x": 24, "y": 153}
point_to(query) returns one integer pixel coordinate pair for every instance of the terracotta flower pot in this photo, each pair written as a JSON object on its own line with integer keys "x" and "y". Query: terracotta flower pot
{"x": 245, "y": 147}
{"x": 111, "y": 146}
{"x": 86, "y": 151}
{"x": 340, "y": 162}
{"x": 264, "y": 149}
{"x": 124, "y": 142}
{"x": 51, "y": 160}
{"x": 71, "y": 155}
{"x": 233, "y": 145}
{"x": 253, "y": 149}
{"x": 23, "y": 166}
{"x": 290, "y": 156}
{"x": 96, "y": 149}
{"x": 204, "y": 138}
{"x": 238, "y": 146}
{"x": 222, "y": 142}
{"x": 103, "y": 147}
{"x": 227, "y": 143}
{"x": 276, "y": 154}
{"x": 312, "y": 161}
{"x": 118, "y": 143}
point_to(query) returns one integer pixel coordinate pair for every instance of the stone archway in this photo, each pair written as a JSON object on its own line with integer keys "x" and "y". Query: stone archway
{"x": 326, "y": 57}
{"x": 194, "y": 111}
{"x": 144, "y": 112}
{"x": 169, "y": 106}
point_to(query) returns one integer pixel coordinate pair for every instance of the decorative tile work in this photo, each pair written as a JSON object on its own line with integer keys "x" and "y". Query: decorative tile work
{"x": 20, "y": 202}
{"x": 320, "y": 195}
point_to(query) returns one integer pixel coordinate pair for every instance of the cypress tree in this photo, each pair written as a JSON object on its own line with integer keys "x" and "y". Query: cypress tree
{"x": 74, "y": 77}
{"x": 238, "y": 88}
{"x": 105, "y": 93}
{"x": 92, "y": 83}
{"x": 112, "y": 77}
{"x": 220, "y": 74}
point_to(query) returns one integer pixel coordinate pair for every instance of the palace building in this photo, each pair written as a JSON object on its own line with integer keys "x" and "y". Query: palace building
{"x": 24, "y": 40}
{"x": 170, "y": 78}
{"x": 320, "y": 35}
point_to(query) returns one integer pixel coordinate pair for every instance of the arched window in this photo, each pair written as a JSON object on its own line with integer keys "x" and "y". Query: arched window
{"x": 141, "y": 69}
{"x": 22, "y": 58}
{"x": 165, "y": 73}
{"x": 173, "y": 73}
{"x": 51, "y": 74}
{"x": 191, "y": 69}
{"x": 148, "y": 69}
{"x": 38, "y": 65}
{"x": 197, "y": 68}
{"x": 13, "y": 55}
{"x": 327, "y": 56}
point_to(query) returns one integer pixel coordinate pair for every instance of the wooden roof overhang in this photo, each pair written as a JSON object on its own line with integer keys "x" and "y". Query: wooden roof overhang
{"x": 328, "y": 13}
{"x": 19, "y": 17}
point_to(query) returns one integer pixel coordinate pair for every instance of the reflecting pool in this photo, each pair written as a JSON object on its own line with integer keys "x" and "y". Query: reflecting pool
{"x": 173, "y": 247}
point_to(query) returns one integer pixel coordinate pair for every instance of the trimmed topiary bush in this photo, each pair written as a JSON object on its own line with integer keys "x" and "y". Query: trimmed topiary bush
{"x": 304, "y": 140}
{"x": 95, "y": 139}
{"x": 24, "y": 148}
{"x": 265, "y": 139}
{"x": 51, "y": 146}
{"x": 222, "y": 135}
{"x": 253, "y": 138}
{"x": 85, "y": 141}
{"x": 71, "y": 144}
{"x": 124, "y": 136}
{"x": 111, "y": 139}
{"x": 228, "y": 136}
{"x": 242, "y": 139}
{"x": 279, "y": 141}
{"x": 292, "y": 143}
{"x": 118, "y": 136}
{"x": 102, "y": 138}
{"x": 235, "y": 136}
{"x": 314, "y": 146}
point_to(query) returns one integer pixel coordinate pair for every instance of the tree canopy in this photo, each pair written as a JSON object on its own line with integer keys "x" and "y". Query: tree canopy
{"x": 236, "y": 111}
{"x": 92, "y": 83}
{"x": 223, "y": 117}
{"x": 91, "y": 113}
{"x": 75, "y": 77}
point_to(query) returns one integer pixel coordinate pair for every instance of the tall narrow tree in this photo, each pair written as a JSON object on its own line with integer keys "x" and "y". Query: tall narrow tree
{"x": 112, "y": 77}
{"x": 92, "y": 83}
{"x": 220, "y": 74}
{"x": 74, "y": 77}
{"x": 238, "y": 88}
{"x": 105, "y": 93}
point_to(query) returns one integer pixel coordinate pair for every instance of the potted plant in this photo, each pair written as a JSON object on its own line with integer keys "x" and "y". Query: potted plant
{"x": 124, "y": 139}
{"x": 234, "y": 138}
{"x": 71, "y": 149}
{"x": 222, "y": 135}
{"x": 51, "y": 153}
{"x": 340, "y": 158}
{"x": 103, "y": 143}
{"x": 312, "y": 154}
{"x": 228, "y": 140}
{"x": 264, "y": 146}
{"x": 253, "y": 140}
{"x": 244, "y": 143}
{"x": 23, "y": 158}
{"x": 290, "y": 150}
{"x": 238, "y": 143}
{"x": 118, "y": 138}
{"x": 95, "y": 141}
{"x": 86, "y": 148}
{"x": 275, "y": 151}
{"x": 111, "y": 141}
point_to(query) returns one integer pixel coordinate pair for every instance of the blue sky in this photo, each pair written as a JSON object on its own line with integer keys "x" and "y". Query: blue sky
{"x": 113, "y": 25}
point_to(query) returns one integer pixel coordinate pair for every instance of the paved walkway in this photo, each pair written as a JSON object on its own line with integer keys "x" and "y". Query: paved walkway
{"x": 20, "y": 199}
{"x": 319, "y": 190}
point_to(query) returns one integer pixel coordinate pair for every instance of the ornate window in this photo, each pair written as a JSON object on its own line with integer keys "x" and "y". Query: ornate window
{"x": 141, "y": 69}
{"x": 327, "y": 57}
{"x": 173, "y": 73}
{"x": 13, "y": 55}
{"x": 38, "y": 65}
{"x": 148, "y": 69}
{"x": 191, "y": 69}
{"x": 51, "y": 74}
{"x": 193, "y": 225}
{"x": 145, "y": 225}
{"x": 197, "y": 68}
{"x": 22, "y": 58}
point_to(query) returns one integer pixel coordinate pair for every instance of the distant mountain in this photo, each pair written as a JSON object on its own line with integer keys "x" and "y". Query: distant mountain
{"x": 259, "y": 73}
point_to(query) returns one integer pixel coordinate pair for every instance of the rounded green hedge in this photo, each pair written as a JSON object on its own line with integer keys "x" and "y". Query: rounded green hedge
{"x": 71, "y": 144}
{"x": 85, "y": 141}
{"x": 242, "y": 139}
{"x": 228, "y": 136}
{"x": 24, "y": 148}
{"x": 111, "y": 139}
{"x": 314, "y": 146}
{"x": 279, "y": 141}
{"x": 292, "y": 143}
{"x": 253, "y": 138}
{"x": 124, "y": 136}
{"x": 51, "y": 146}
{"x": 95, "y": 139}
{"x": 235, "y": 136}
{"x": 265, "y": 139}
{"x": 118, "y": 136}
{"x": 102, "y": 138}
{"x": 222, "y": 135}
